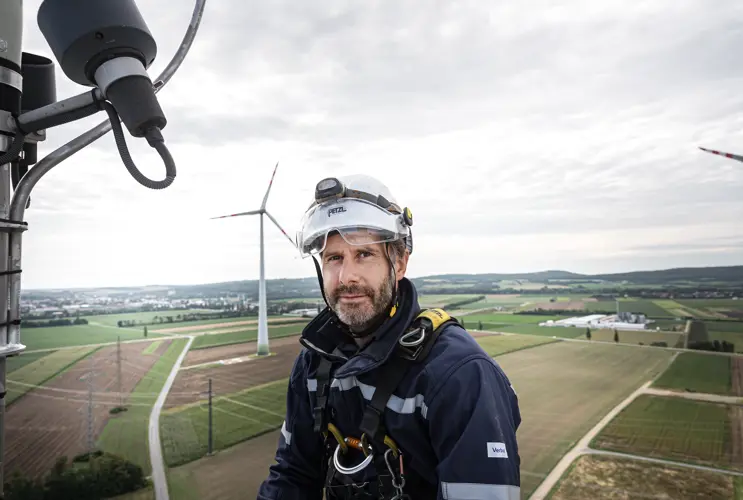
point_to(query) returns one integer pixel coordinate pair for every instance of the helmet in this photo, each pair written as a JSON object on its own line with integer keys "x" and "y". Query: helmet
{"x": 360, "y": 208}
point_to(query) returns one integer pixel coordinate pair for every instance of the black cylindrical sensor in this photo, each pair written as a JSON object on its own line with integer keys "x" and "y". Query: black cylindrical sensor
{"x": 85, "y": 33}
{"x": 39, "y": 87}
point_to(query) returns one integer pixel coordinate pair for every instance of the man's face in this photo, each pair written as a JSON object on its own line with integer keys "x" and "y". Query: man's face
{"x": 358, "y": 282}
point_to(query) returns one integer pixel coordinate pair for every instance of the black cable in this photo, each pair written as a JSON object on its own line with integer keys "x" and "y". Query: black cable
{"x": 15, "y": 148}
{"x": 154, "y": 139}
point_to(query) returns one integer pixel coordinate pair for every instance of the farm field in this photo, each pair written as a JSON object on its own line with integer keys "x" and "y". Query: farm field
{"x": 698, "y": 373}
{"x": 214, "y": 324}
{"x": 223, "y": 475}
{"x": 236, "y": 417}
{"x": 113, "y": 319}
{"x": 676, "y": 429}
{"x": 496, "y": 345}
{"x": 508, "y": 318}
{"x": 595, "y": 476}
{"x": 429, "y": 300}
{"x": 13, "y": 363}
{"x": 246, "y": 335}
{"x": 191, "y": 384}
{"x": 530, "y": 329}
{"x": 125, "y": 433}
{"x": 564, "y": 389}
{"x": 39, "y": 371}
{"x": 50, "y": 421}
{"x": 54, "y": 337}
{"x": 638, "y": 337}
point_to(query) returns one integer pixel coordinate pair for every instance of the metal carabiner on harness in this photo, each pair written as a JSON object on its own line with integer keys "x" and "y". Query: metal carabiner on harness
{"x": 351, "y": 470}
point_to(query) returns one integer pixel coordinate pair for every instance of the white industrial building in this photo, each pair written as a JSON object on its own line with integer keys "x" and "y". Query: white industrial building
{"x": 598, "y": 321}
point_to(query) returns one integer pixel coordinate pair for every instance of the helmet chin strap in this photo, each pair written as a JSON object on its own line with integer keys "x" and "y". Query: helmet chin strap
{"x": 389, "y": 311}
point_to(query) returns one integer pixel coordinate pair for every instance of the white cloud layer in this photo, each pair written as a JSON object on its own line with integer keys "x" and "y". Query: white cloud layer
{"x": 525, "y": 136}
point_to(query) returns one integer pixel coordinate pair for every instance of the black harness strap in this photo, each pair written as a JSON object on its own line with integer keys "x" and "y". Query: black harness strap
{"x": 323, "y": 389}
{"x": 389, "y": 377}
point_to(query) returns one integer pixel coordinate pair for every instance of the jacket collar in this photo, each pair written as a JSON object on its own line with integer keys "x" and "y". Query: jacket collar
{"x": 326, "y": 337}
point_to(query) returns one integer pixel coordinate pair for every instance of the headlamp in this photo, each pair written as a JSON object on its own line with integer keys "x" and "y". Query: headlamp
{"x": 327, "y": 189}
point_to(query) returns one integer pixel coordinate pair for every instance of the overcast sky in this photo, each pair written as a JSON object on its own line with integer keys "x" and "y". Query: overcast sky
{"x": 523, "y": 136}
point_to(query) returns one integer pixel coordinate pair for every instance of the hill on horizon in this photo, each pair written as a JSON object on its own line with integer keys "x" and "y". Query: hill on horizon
{"x": 308, "y": 287}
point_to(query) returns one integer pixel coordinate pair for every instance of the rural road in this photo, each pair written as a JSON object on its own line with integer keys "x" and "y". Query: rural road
{"x": 591, "y": 451}
{"x": 697, "y": 396}
{"x": 159, "y": 479}
{"x": 556, "y": 473}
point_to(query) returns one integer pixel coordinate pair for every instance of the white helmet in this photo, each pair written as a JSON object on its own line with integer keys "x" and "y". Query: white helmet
{"x": 360, "y": 208}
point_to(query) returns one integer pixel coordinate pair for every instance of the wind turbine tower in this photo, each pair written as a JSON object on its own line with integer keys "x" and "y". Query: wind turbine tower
{"x": 262, "y": 313}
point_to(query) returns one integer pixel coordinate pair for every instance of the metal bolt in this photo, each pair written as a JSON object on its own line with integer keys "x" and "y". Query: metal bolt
{"x": 3, "y": 45}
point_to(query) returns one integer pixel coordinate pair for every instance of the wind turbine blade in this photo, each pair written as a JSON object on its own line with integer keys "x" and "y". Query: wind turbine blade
{"x": 722, "y": 153}
{"x": 265, "y": 198}
{"x": 252, "y": 212}
{"x": 281, "y": 229}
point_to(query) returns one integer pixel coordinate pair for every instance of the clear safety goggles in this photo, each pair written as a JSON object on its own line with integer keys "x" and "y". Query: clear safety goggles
{"x": 359, "y": 222}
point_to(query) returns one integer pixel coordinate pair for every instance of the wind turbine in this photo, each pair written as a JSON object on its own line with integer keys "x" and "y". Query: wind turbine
{"x": 262, "y": 316}
{"x": 722, "y": 153}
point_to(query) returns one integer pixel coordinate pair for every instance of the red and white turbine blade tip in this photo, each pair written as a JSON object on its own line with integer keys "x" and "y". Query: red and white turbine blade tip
{"x": 722, "y": 153}
{"x": 252, "y": 212}
{"x": 281, "y": 229}
{"x": 268, "y": 190}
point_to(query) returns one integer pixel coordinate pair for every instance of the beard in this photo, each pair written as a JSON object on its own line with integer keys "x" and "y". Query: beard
{"x": 361, "y": 316}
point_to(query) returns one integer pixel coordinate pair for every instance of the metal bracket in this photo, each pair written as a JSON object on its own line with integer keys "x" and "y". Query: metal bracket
{"x": 7, "y": 226}
{"x": 11, "y": 349}
{"x": 11, "y": 77}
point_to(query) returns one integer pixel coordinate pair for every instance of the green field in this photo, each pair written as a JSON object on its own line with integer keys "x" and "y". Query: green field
{"x": 508, "y": 319}
{"x": 561, "y": 332}
{"x": 112, "y": 319}
{"x": 125, "y": 433}
{"x": 54, "y": 337}
{"x": 238, "y": 337}
{"x": 501, "y": 344}
{"x": 698, "y": 373}
{"x": 429, "y": 300}
{"x": 152, "y": 347}
{"x": 236, "y": 417}
{"x": 15, "y": 362}
{"x": 595, "y": 476}
{"x": 672, "y": 428}
{"x": 637, "y": 337}
{"x": 219, "y": 324}
{"x": 564, "y": 389}
{"x": 42, "y": 370}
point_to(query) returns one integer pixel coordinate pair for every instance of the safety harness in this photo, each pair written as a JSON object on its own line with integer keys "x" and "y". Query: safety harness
{"x": 376, "y": 445}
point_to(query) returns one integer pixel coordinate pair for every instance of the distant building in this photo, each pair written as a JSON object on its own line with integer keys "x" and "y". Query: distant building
{"x": 600, "y": 321}
{"x": 303, "y": 313}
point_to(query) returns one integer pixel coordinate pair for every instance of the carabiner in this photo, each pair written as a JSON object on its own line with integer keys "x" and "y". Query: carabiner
{"x": 351, "y": 470}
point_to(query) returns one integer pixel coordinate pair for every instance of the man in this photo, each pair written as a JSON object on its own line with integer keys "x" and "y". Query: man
{"x": 384, "y": 400}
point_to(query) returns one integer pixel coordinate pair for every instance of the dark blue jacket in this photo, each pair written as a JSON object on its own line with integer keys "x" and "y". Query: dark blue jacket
{"x": 454, "y": 416}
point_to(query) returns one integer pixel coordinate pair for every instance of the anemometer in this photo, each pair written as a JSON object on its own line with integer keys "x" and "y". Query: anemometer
{"x": 103, "y": 45}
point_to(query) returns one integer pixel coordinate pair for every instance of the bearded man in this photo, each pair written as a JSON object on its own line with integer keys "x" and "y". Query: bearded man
{"x": 387, "y": 401}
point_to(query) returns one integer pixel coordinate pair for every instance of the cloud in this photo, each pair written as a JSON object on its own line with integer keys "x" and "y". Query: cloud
{"x": 524, "y": 136}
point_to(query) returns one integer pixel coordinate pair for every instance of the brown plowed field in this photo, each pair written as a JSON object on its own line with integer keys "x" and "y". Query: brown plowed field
{"x": 198, "y": 356}
{"x": 191, "y": 385}
{"x": 211, "y": 326}
{"x": 52, "y": 421}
